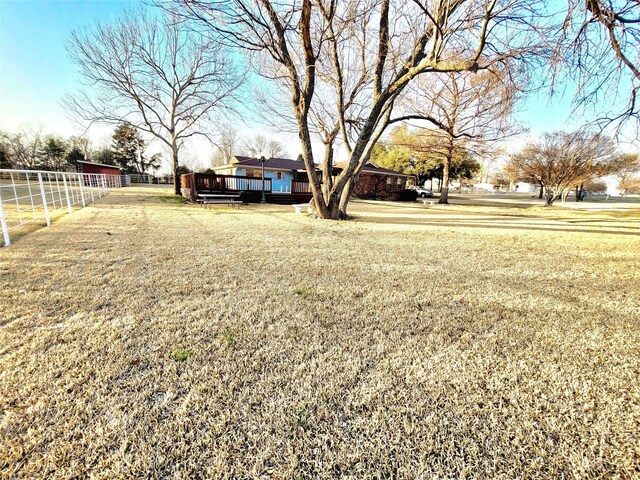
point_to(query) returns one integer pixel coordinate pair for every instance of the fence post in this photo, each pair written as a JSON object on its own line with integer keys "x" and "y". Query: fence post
{"x": 80, "y": 182}
{"x": 44, "y": 200}
{"x": 3, "y": 223}
{"x": 66, "y": 192}
{"x": 91, "y": 188}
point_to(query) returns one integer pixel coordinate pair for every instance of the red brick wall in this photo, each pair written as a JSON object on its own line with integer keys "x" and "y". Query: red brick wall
{"x": 375, "y": 186}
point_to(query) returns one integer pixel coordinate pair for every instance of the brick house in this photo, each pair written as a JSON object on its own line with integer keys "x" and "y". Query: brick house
{"x": 379, "y": 183}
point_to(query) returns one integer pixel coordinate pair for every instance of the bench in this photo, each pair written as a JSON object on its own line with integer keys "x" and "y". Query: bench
{"x": 219, "y": 201}
{"x": 425, "y": 201}
{"x": 299, "y": 206}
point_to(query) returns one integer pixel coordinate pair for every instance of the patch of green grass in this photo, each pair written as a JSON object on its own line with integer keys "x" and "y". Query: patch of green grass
{"x": 180, "y": 355}
{"x": 229, "y": 338}
{"x": 172, "y": 199}
{"x": 303, "y": 292}
{"x": 296, "y": 333}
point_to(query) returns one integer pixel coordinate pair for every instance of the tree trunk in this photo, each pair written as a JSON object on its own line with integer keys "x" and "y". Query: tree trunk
{"x": 444, "y": 192}
{"x": 176, "y": 172}
{"x": 549, "y": 199}
{"x": 327, "y": 171}
{"x": 344, "y": 199}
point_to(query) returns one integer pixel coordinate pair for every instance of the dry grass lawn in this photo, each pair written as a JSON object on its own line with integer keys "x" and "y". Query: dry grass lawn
{"x": 143, "y": 338}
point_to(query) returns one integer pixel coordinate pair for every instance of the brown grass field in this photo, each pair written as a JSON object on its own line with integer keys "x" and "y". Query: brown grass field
{"x": 144, "y": 338}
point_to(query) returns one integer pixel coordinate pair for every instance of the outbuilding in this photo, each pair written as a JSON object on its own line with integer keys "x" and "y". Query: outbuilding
{"x": 101, "y": 168}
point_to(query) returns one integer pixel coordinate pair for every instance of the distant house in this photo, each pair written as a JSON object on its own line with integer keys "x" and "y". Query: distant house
{"x": 524, "y": 187}
{"x": 91, "y": 167}
{"x": 281, "y": 171}
{"x": 378, "y": 182}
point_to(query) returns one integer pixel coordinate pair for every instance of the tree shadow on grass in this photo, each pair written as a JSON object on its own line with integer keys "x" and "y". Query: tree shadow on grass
{"x": 500, "y": 224}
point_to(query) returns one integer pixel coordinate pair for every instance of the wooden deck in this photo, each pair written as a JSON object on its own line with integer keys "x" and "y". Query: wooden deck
{"x": 249, "y": 188}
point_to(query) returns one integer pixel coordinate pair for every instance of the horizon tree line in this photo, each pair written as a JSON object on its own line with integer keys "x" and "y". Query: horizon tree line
{"x": 31, "y": 149}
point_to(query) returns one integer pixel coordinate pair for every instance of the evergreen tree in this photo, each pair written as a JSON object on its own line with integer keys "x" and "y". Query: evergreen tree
{"x": 53, "y": 154}
{"x": 74, "y": 156}
{"x": 128, "y": 148}
{"x": 4, "y": 156}
{"x": 104, "y": 155}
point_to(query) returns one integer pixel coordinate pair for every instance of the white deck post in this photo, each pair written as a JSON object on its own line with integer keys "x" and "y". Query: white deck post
{"x": 66, "y": 192}
{"x": 44, "y": 200}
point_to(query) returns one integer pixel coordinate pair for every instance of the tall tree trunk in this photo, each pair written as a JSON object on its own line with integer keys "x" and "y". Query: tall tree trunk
{"x": 176, "y": 170}
{"x": 541, "y": 192}
{"x": 549, "y": 198}
{"x": 327, "y": 171}
{"x": 444, "y": 192}
{"x": 344, "y": 199}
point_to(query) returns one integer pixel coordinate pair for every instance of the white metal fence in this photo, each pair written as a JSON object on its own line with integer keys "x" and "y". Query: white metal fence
{"x": 30, "y": 196}
{"x": 142, "y": 178}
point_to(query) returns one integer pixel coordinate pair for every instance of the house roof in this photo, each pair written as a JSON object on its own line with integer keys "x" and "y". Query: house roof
{"x": 271, "y": 163}
{"x": 98, "y": 164}
{"x": 375, "y": 170}
{"x": 288, "y": 164}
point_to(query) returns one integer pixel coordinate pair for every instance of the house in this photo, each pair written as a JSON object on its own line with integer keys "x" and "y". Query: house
{"x": 524, "y": 187}
{"x": 378, "y": 182}
{"x": 290, "y": 176}
{"x": 281, "y": 171}
{"x": 101, "y": 168}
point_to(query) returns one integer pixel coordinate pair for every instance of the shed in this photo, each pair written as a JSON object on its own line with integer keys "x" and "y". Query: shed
{"x": 91, "y": 167}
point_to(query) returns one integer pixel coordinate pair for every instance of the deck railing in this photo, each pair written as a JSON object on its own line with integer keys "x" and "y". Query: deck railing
{"x": 193, "y": 183}
{"x": 300, "y": 186}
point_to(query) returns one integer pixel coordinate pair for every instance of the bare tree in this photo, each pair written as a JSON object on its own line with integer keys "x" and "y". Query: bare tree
{"x": 464, "y": 110}
{"x": 350, "y": 61}
{"x": 599, "y": 47}
{"x": 155, "y": 73}
{"x": 23, "y": 148}
{"x": 626, "y": 169}
{"x": 226, "y": 146}
{"x": 561, "y": 161}
{"x": 260, "y": 145}
{"x": 82, "y": 143}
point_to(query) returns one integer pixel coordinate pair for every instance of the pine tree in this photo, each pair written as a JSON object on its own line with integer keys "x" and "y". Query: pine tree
{"x": 128, "y": 148}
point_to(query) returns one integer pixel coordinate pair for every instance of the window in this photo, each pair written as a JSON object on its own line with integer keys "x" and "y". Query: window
{"x": 279, "y": 176}
{"x": 389, "y": 186}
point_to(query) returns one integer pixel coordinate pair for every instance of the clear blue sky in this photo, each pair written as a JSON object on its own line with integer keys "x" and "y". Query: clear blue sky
{"x": 35, "y": 71}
